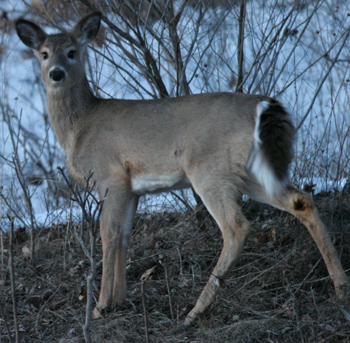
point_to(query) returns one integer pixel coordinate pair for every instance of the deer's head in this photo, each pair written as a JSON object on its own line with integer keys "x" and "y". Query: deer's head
{"x": 60, "y": 55}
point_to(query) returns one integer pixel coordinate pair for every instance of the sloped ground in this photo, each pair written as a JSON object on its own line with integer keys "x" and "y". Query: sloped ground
{"x": 279, "y": 290}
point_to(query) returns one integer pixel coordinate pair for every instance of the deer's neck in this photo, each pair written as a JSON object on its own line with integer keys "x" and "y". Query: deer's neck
{"x": 67, "y": 108}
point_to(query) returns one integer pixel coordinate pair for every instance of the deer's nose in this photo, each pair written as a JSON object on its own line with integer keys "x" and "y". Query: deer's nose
{"x": 57, "y": 74}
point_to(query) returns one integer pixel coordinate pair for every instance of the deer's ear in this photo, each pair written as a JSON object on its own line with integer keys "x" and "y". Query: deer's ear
{"x": 87, "y": 28}
{"x": 30, "y": 34}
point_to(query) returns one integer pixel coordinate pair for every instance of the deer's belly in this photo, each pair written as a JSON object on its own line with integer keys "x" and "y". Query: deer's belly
{"x": 154, "y": 183}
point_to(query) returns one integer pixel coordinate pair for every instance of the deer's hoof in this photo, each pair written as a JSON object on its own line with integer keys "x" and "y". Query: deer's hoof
{"x": 97, "y": 313}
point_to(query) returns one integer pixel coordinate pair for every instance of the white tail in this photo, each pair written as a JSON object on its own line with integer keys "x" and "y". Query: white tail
{"x": 271, "y": 152}
{"x": 221, "y": 144}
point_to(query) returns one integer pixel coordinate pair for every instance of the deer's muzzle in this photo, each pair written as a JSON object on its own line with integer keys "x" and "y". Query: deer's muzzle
{"x": 57, "y": 75}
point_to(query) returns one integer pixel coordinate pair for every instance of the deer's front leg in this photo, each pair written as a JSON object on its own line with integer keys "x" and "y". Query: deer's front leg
{"x": 116, "y": 221}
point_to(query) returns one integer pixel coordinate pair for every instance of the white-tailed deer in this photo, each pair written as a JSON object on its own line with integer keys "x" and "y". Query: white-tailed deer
{"x": 221, "y": 144}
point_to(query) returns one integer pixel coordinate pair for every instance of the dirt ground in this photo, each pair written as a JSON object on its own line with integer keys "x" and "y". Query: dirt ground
{"x": 279, "y": 291}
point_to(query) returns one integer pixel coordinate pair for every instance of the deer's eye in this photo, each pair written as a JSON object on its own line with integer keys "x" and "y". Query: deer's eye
{"x": 45, "y": 55}
{"x": 71, "y": 54}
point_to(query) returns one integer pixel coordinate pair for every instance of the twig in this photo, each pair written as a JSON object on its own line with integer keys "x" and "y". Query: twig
{"x": 67, "y": 233}
{"x": 239, "y": 87}
{"x": 91, "y": 217}
{"x": 296, "y": 310}
{"x": 92, "y": 274}
{"x": 82, "y": 244}
{"x": 41, "y": 335}
{"x": 182, "y": 200}
{"x": 345, "y": 313}
{"x": 139, "y": 43}
{"x": 5, "y": 320}
{"x": 2, "y": 245}
{"x": 323, "y": 81}
{"x": 12, "y": 277}
{"x": 143, "y": 283}
{"x": 144, "y": 278}
{"x": 162, "y": 262}
{"x": 180, "y": 258}
{"x": 15, "y": 141}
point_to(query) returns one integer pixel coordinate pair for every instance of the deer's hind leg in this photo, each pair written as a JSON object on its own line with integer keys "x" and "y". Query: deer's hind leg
{"x": 302, "y": 206}
{"x": 221, "y": 201}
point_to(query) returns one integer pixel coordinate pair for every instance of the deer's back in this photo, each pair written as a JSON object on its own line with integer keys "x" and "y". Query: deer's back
{"x": 166, "y": 136}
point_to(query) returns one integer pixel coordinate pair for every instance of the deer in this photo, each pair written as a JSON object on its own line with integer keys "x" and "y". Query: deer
{"x": 221, "y": 144}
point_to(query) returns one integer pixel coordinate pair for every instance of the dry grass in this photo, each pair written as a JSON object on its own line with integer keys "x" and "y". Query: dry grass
{"x": 278, "y": 292}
